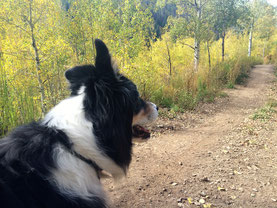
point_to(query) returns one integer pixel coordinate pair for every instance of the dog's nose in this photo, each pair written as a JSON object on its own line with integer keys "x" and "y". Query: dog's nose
{"x": 157, "y": 108}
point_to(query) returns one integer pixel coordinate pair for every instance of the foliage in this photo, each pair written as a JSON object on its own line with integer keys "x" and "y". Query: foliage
{"x": 153, "y": 42}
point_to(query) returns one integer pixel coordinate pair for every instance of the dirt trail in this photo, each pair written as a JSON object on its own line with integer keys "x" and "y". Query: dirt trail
{"x": 221, "y": 160}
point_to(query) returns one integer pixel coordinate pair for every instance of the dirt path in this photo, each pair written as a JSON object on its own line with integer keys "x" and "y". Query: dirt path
{"x": 219, "y": 157}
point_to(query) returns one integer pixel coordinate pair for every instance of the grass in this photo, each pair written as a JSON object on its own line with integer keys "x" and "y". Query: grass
{"x": 263, "y": 114}
{"x": 266, "y": 112}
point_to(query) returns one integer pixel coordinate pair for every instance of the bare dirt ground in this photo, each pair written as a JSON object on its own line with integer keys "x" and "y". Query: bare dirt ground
{"x": 221, "y": 155}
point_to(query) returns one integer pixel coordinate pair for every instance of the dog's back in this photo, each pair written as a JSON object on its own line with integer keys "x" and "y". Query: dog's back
{"x": 26, "y": 162}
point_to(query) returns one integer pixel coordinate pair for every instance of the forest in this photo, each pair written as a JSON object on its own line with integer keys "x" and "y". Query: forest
{"x": 178, "y": 52}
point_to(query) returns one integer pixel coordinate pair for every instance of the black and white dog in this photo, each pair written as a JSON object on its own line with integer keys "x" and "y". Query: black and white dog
{"x": 56, "y": 162}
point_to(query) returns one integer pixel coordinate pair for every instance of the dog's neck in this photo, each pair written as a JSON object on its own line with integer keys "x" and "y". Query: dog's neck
{"x": 69, "y": 116}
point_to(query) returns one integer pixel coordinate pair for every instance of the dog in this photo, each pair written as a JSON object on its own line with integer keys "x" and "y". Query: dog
{"x": 57, "y": 162}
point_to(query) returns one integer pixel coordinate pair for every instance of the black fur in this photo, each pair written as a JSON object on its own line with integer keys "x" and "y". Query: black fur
{"x": 110, "y": 102}
{"x": 27, "y": 157}
{"x": 26, "y": 161}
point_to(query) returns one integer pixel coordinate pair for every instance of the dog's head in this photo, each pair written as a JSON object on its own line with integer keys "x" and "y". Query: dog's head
{"x": 111, "y": 102}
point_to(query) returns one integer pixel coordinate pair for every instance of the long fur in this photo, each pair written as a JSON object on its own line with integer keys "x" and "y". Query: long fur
{"x": 38, "y": 163}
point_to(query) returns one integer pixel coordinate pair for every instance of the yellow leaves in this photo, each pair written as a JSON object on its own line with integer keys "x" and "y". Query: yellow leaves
{"x": 208, "y": 205}
{"x": 190, "y": 201}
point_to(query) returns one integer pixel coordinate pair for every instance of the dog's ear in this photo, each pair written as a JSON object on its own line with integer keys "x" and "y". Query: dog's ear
{"x": 103, "y": 61}
{"x": 79, "y": 74}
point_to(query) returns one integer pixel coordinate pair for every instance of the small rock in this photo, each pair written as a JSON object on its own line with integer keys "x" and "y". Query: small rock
{"x": 240, "y": 189}
{"x": 233, "y": 197}
{"x": 202, "y": 201}
{"x": 275, "y": 200}
{"x": 180, "y": 204}
{"x": 174, "y": 184}
{"x": 180, "y": 163}
{"x": 253, "y": 195}
{"x": 203, "y": 194}
{"x": 197, "y": 203}
{"x": 205, "y": 179}
{"x": 255, "y": 167}
{"x": 229, "y": 202}
{"x": 233, "y": 187}
{"x": 180, "y": 200}
{"x": 255, "y": 190}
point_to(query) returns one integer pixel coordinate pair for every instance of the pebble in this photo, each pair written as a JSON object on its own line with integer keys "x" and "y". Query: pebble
{"x": 240, "y": 189}
{"x": 174, "y": 184}
{"x": 275, "y": 200}
{"x": 181, "y": 200}
{"x": 233, "y": 197}
{"x": 180, "y": 204}
{"x": 203, "y": 194}
{"x": 202, "y": 201}
{"x": 205, "y": 179}
{"x": 233, "y": 187}
{"x": 253, "y": 195}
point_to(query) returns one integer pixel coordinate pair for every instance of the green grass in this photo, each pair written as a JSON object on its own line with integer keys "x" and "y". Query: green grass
{"x": 264, "y": 113}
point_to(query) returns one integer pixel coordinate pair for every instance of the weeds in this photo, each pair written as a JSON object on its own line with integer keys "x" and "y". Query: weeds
{"x": 264, "y": 113}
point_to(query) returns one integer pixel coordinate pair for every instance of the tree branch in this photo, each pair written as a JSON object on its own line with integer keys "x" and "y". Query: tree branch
{"x": 189, "y": 46}
{"x": 203, "y": 4}
{"x": 7, "y": 21}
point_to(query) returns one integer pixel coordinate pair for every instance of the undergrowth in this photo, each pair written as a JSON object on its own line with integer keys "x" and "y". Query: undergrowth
{"x": 186, "y": 89}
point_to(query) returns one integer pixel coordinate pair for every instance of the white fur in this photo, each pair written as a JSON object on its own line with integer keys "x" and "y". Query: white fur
{"x": 81, "y": 90}
{"x": 154, "y": 115}
{"x": 72, "y": 173}
{"x": 75, "y": 177}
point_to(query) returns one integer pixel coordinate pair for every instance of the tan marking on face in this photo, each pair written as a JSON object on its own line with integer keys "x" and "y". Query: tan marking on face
{"x": 143, "y": 113}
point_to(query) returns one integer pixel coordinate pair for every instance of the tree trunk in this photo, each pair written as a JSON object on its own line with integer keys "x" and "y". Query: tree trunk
{"x": 37, "y": 59}
{"x": 169, "y": 60}
{"x": 250, "y": 39}
{"x": 196, "y": 54}
{"x": 196, "y": 36}
{"x": 223, "y": 46}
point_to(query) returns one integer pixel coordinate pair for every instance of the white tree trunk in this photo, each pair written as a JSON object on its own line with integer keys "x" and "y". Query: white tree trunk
{"x": 196, "y": 54}
{"x": 250, "y": 41}
{"x": 198, "y": 7}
